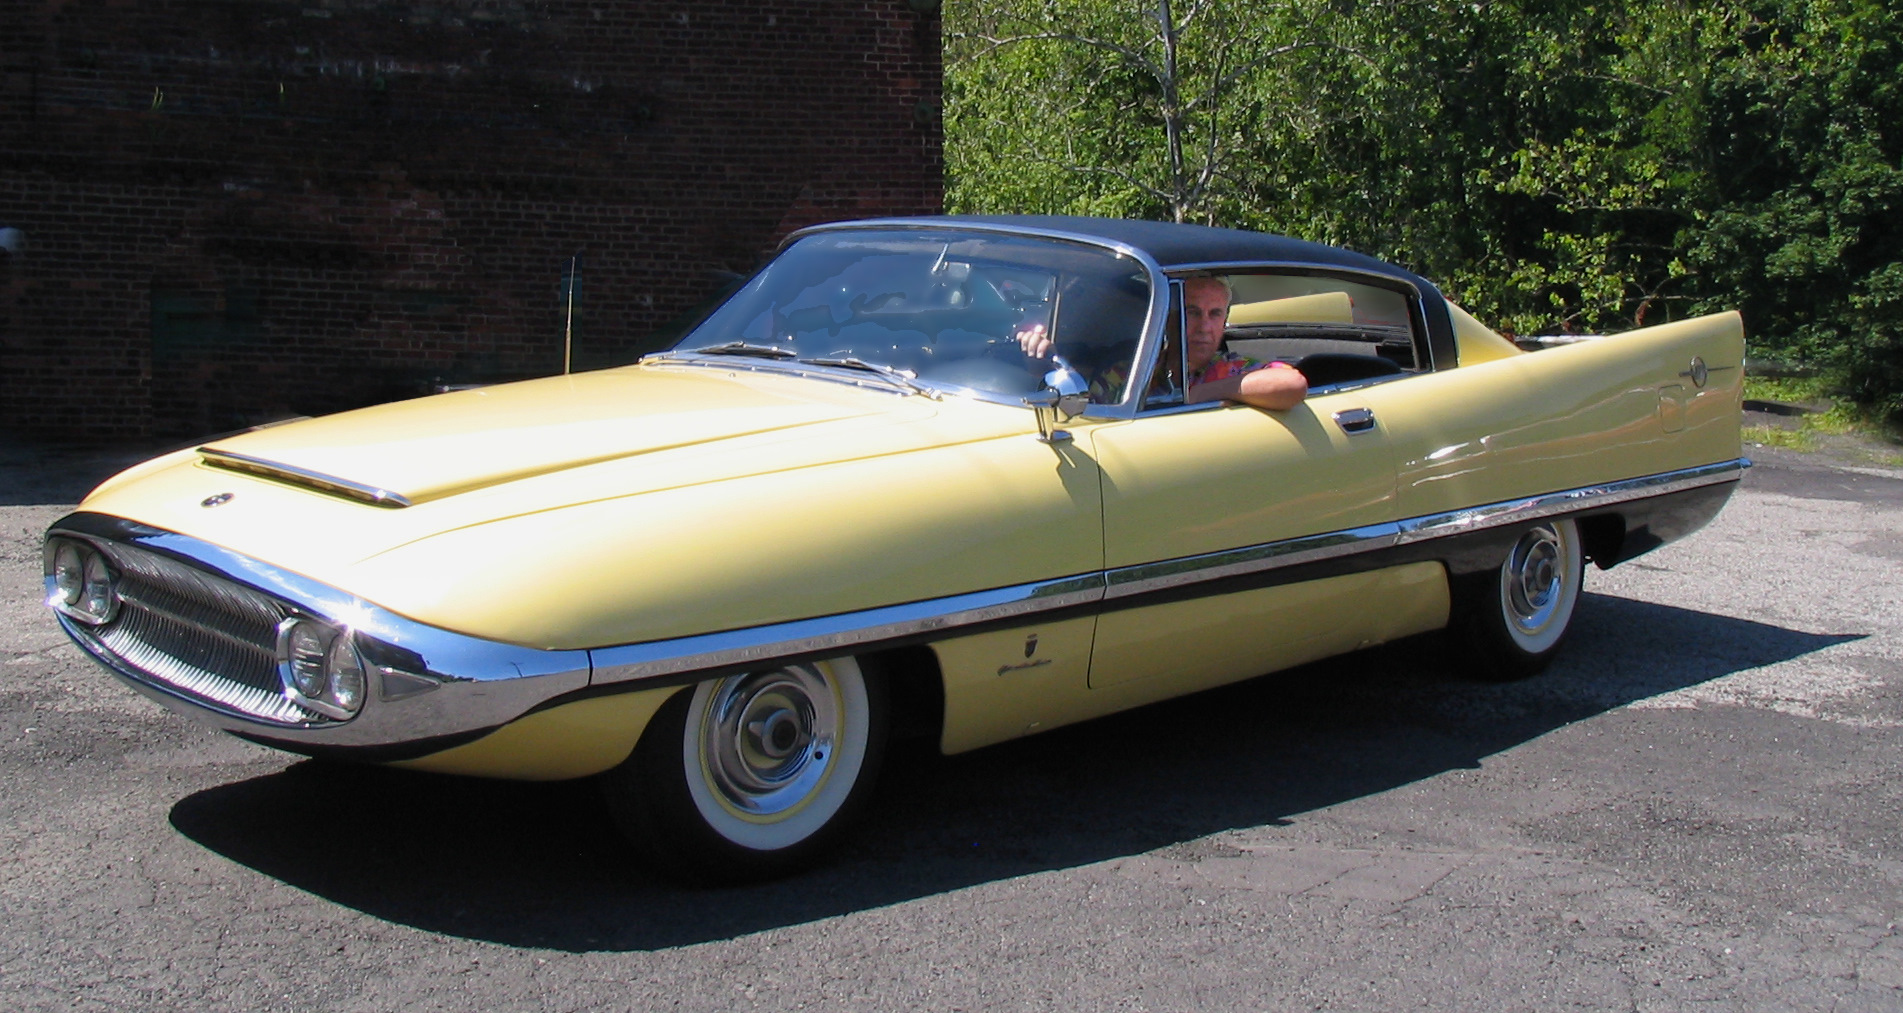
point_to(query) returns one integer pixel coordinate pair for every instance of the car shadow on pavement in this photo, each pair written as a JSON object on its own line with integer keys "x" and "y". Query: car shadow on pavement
{"x": 540, "y": 865}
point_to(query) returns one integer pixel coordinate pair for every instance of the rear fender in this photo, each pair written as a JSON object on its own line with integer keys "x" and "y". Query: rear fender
{"x": 1641, "y": 403}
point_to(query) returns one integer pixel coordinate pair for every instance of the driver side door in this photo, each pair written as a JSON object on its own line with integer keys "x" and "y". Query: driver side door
{"x": 1236, "y": 540}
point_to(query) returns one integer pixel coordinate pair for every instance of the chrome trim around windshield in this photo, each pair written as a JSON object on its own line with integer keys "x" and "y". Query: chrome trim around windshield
{"x": 358, "y": 491}
{"x": 1150, "y": 338}
{"x": 428, "y": 682}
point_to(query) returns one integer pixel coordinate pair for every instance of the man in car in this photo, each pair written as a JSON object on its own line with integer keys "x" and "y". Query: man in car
{"x": 1215, "y": 373}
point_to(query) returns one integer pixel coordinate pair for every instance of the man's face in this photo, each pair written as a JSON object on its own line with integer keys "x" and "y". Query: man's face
{"x": 1208, "y": 314}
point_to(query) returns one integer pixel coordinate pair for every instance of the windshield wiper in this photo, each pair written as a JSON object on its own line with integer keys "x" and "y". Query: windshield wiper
{"x": 902, "y": 377}
{"x": 746, "y": 348}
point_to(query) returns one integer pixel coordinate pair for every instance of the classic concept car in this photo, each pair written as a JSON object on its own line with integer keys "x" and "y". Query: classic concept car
{"x": 855, "y": 499}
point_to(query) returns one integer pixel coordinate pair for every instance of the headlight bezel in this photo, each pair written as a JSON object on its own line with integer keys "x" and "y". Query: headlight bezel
{"x": 321, "y": 668}
{"x": 69, "y": 573}
{"x": 84, "y": 581}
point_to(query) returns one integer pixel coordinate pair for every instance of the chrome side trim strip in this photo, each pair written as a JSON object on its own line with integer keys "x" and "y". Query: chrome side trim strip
{"x": 302, "y": 476}
{"x": 838, "y": 632}
{"x": 852, "y": 629}
{"x": 1553, "y": 504}
{"x": 1146, "y": 577}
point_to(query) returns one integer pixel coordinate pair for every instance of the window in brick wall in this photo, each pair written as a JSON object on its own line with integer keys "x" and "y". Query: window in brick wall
{"x": 189, "y": 321}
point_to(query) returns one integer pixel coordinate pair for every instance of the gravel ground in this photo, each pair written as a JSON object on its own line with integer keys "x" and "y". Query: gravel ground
{"x": 1697, "y": 808}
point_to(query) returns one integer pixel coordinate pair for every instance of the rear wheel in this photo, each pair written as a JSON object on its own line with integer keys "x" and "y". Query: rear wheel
{"x": 755, "y": 775}
{"x": 1515, "y": 618}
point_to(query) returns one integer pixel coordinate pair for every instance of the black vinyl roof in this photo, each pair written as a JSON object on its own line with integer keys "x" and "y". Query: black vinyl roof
{"x": 1174, "y": 245}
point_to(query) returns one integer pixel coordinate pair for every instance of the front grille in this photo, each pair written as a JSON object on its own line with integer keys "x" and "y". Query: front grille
{"x": 198, "y": 634}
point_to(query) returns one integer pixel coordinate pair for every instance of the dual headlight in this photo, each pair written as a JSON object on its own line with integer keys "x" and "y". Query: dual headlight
{"x": 320, "y": 667}
{"x": 318, "y": 663}
{"x": 85, "y": 586}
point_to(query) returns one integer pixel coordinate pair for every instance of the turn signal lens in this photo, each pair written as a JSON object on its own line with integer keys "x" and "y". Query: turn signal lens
{"x": 345, "y": 674}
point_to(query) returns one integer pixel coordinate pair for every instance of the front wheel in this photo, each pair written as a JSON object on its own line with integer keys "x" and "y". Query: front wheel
{"x": 1515, "y": 618}
{"x": 752, "y": 776}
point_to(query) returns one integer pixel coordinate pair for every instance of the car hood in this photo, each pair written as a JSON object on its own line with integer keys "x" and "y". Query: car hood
{"x": 472, "y": 458}
{"x": 413, "y": 452}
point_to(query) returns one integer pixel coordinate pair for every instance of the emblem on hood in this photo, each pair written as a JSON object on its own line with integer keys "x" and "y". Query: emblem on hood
{"x": 220, "y": 499}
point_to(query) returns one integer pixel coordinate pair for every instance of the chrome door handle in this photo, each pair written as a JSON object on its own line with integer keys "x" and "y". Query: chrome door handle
{"x": 1355, "y": 420}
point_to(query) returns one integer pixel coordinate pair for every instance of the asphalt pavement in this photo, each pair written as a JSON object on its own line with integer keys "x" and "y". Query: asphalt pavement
{"x": 1699, "y": 807}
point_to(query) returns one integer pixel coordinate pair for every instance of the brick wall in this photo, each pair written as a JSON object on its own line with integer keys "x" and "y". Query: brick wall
{"x": 240, "y": 210}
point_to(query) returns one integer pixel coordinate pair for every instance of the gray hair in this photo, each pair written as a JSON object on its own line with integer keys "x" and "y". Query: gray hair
{"x": 1220, "y": 279}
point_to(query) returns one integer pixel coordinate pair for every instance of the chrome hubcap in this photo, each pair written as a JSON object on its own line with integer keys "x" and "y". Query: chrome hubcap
{"x": 1534, "y": 579}
{"x": 767, "y": 739}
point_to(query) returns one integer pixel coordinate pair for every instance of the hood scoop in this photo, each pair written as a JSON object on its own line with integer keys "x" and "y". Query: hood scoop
{"x": 302, "y": 476}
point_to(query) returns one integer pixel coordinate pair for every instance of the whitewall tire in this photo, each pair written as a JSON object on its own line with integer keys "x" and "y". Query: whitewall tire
{"x": 1515, "y": 618}
{"x": 753, "y": 775}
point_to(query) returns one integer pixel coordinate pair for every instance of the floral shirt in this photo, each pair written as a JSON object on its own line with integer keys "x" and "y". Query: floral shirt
{"x": 1226, "y": 364}
{"x": 1108, "y": 386}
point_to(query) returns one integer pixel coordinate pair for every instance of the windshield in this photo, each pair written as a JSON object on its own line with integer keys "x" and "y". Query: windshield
{"x": 944, "y": 305}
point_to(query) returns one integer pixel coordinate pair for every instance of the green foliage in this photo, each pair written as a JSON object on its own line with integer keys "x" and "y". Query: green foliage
{"x": 1123, "y": 107}
{"x": 1556, "y": 167}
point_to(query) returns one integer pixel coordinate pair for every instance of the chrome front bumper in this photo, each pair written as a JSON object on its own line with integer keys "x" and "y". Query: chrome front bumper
{"x": 429, "y": 688}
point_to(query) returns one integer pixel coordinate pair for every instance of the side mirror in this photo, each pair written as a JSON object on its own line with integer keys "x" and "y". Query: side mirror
{"x": 1064, "y": 397}
{"x": 1065, "y": 380}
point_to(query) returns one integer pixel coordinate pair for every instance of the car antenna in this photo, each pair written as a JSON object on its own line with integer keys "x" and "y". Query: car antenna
{"x": 568, "y": 328}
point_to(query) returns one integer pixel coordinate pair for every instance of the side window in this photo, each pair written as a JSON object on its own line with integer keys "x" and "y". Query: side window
{"x": 1321, "y": 324}
{"x": 1166, "y": 381}
{"x": 1334, "y": 329}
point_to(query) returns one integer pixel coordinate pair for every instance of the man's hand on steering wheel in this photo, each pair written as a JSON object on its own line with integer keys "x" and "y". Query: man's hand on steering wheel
{"x": 1035, "y": 341}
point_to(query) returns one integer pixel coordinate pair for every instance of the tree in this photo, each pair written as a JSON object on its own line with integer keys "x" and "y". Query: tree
{"x": 1584, "y": 167}
{"x": 1119, "y": 106}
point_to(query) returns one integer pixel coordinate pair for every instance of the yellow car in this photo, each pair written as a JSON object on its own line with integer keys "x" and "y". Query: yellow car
{"x": 958, "y": 475}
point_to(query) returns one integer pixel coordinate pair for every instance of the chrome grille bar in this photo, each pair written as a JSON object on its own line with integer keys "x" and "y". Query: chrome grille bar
{"x": 197, "y": 634}
{"x": 125, "y": 641}
{"x": 243, "y": 658}
{"x": 194, "y": 627}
